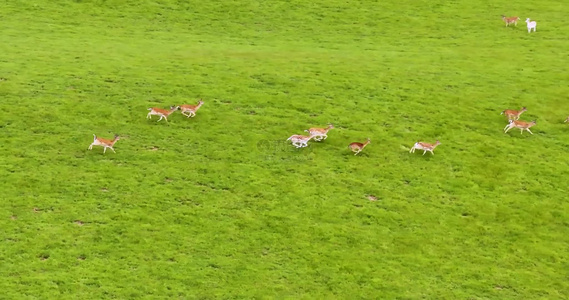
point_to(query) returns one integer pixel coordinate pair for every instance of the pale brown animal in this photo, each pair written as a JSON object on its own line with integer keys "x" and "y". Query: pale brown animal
{"x": 358, "y": 147}
{"x": 513, "y": 114}
{"x": 425, "y": 147}
{"x": 510, "y": 20}
{"x": 320, "y": 133}
{"x": 519, "y": 124}
{"x": 190, "y": 110}
{"x": 163, "y": 113}
{"x": 104, "y": 142}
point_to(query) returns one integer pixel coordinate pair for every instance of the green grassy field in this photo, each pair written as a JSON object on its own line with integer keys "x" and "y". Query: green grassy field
{"x": 220, "y": 206}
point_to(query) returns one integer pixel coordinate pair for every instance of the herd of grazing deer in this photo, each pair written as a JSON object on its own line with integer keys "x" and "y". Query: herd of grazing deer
{"x": 320, "y": 134}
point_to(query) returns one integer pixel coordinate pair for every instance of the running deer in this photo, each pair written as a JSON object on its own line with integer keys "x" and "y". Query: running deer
{"x": 510, "y": 20}
{"x": 163, "y": 113}
{"x": 513, "y": 114}
{"x": 104, "y": 142}
{"x": 300, "y": 141}
{"x": 425, "y": 147}
{"x": 531, "y": 25}
{"x": 320, "y": 133}
{"x": 190, "y": 110}
{"x": 358, "y": 147}
{"x": 519, "y": 124}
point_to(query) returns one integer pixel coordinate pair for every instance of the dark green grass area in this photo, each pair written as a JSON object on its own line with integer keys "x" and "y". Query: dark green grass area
{"x": 220, "y": 206}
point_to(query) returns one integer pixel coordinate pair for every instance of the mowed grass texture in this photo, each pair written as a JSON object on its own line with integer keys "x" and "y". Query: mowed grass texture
{"x": 220, "y": 206}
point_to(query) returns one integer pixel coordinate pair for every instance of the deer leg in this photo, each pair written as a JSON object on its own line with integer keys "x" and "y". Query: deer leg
{"x": 424, "y": 151}
{"x": 105, "y": 150}
{"x": 149, "y": 116}
{"x": 432, "y": 152}
{"x": 90, "y": 147}
{"x": 509, "y": 127}
{"x": 112, "y": 149}
{"x": 529, "y": 131}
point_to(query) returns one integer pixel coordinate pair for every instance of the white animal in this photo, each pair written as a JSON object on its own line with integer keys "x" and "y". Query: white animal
{"x": 531, "y": 25}
{"x": 300, "y": 141}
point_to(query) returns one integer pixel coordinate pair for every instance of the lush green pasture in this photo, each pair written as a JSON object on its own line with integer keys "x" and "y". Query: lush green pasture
{"x": 220, "y": 206}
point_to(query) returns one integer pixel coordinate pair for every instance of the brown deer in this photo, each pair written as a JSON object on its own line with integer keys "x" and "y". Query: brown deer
{"x": 519, "y": 124}
{"x": 358, "y": 147}
{"x": 320, "y": 133}
{"x": 513, "y": 114}
{"x": 190, "y": 110}
{"x": 163, "y": 113}
{"x": 425, "y": 147}
{"x": 510, "y": 20}
{"x": 104, "y": 142}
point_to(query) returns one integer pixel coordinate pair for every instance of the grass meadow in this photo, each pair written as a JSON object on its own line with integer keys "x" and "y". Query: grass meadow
{"x": 219, "y": 206}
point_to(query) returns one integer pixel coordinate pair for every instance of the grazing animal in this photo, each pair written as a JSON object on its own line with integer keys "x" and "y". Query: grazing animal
{"x": 320, "y": 133}
{"x": 425, "y": 147}
{"x": 104, "y": 142}
{"x": 163, "y": 113}
{"x": 510, "y": 20}
{"x": 358, "y": 147}
{"x": 300, "y": 141}
{"x": 190, "y": 110}
{"x": 519, "y": 124}
{"x": 513, "y": 114}
{"x": 531, "y": 25}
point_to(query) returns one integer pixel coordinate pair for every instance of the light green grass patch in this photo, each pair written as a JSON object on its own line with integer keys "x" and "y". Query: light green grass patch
{"x": 221, "y": 206}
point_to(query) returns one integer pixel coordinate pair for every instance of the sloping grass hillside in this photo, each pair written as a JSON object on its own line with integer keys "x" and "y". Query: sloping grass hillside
{"x": 221, "y": 206}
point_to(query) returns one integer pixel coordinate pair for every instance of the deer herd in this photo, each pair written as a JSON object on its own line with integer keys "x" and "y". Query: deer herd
{"x": 320, "y": 134}
{"x": 316, "y": 133}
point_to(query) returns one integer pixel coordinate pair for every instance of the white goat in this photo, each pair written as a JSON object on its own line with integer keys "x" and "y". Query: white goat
{"x": 531, "y": 25}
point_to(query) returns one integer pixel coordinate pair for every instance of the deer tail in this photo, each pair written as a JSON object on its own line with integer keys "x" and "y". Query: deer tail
{"x": 94, "y": 137}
